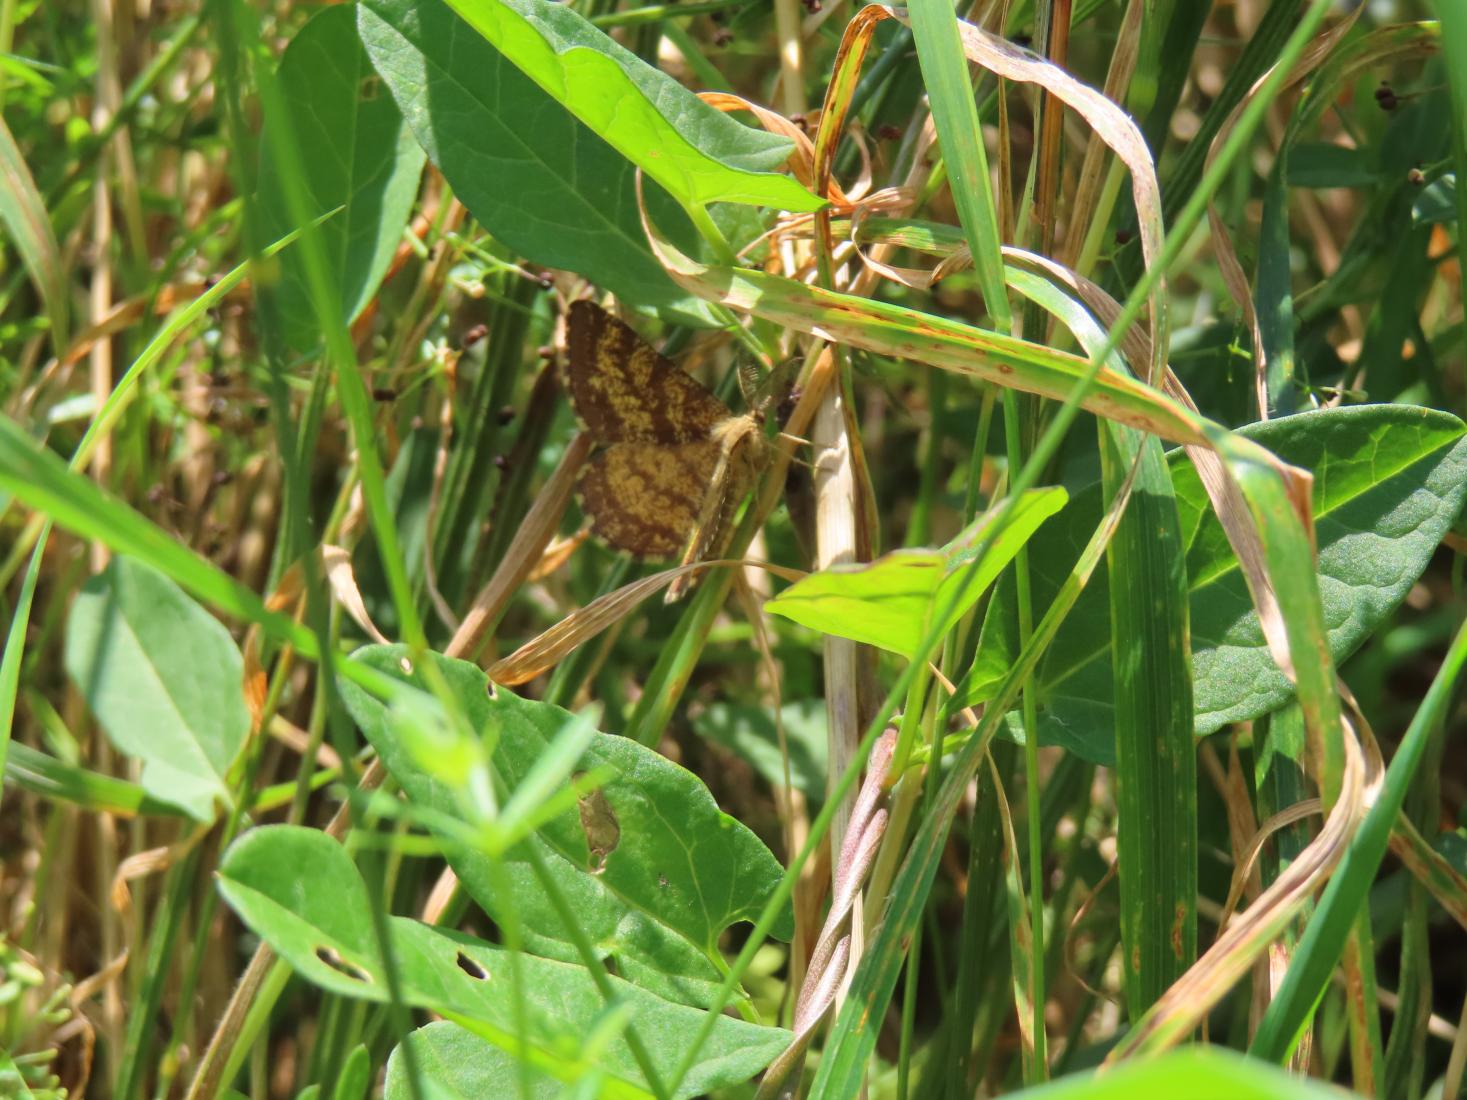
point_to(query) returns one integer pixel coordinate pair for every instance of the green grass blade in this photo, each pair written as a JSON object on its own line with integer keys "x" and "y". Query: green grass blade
{"x": 1156, "y": 762}
{"x": 1319, "y": 949}
{"x": 950, "y": 91}
{"x": 23, "y": 214}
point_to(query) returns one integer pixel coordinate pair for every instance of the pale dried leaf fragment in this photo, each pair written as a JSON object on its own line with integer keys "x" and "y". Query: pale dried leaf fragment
{"x": 343, "y": 582}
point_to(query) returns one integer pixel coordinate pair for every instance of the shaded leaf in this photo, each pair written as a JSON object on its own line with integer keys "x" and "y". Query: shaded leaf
{"x": 298, "y": 889}
{"x": 358, "y": 154}
{"x": 534, "y": 176}
{"x": 679, "y": 872}
{"x": 1389, "y": 482}
{"x": 23, "y": 213}
{"x": 164, "y": 679}
{"x": 750, "y": 732}
{"x": 695, "y": 151}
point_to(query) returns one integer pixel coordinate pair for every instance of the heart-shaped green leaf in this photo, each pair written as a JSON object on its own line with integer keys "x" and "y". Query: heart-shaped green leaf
{"x": 298, "y": 889}
{"x": 652, "y": 868}
{"x": 698, "y": 153}
{"x": 1389, "y": 482}
{"x": 890, "y": 602}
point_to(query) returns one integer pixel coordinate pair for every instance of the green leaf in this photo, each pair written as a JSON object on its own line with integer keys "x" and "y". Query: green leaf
{"x": 164, "y": 679}
{"x": 887, "y": 603}
{"x": 1156, "y": 760}
{"x": 678, "y": 873}
{"x": 23, "y": 214}
{"x": 1389, "y": 482}
{"x": 355, "y": 1076}
{"x": 750, "y": 732}
{"x": 698, "y": 153}
{"x": 298, "y": 889}
{"x": 358, "y": 154}
{"x": 949, "y": 82}
{"x": 461, "y": 1064}
{"x": 43, "y": 774}
{"x": 1322, "y": 165}
{"x": 538, "y": 180}
{"x": 1437, "y": 201}
{"x": 1198, "y": 1073}
{"x": 41, "y": 481}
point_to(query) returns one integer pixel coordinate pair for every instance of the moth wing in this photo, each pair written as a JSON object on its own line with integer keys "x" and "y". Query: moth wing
{"x": 740, "y": 457}
{"x": 623, "y": 391}
{"x": 644, "y": 498}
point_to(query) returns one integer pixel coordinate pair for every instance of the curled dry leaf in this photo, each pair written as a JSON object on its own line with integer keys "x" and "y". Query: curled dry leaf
{"x": 544, "y": 651}
{"x": 344, "y": 587}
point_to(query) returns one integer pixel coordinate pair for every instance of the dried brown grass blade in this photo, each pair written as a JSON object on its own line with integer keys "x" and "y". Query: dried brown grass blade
{"x": 544, "y": 651}
{"x": 343, "y": 582}
{"x": 524, "y": 551}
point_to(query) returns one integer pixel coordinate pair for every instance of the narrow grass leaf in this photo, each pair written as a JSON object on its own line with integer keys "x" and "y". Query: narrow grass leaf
{"x": 23, "y": 213}
{"x": 1156, "y": 762}
{"x": 1296, "y": 999}
{"x": 40, "y": 480}
{"x": 950, "y": 93}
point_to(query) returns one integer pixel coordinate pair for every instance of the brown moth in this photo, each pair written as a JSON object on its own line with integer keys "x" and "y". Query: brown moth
{"x": 674, "y": 462}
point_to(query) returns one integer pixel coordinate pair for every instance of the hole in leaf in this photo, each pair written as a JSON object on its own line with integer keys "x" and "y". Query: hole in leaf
{"x": 611, "y": 968}
{"x": 598, "y": 822}
{"x": 471, "y": 968}
{"x": 406, "y": 666}
{"x": 332, "y": 958}
{"x": 492, "y": 689}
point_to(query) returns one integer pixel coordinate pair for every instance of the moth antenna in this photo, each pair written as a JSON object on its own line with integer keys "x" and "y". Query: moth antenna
{"x": 749, "y": 382}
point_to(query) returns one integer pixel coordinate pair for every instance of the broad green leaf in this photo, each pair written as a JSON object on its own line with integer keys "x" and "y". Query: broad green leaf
{"x": 164, "y": 679}
{"x": 461, "y": 1064}
{"x": 536, "y": 178}
{"x": 1389, "y": 482}
{"x": 888, "y": 603}
{"x": 1437, "y": 201}
{"x": 358, "y": 154}
{"x": 698, "y": 153}
{"x": 677, "y": 874}
{"x": 750, "y": 731}
{"x": 1198, "y": 1073}
{"x": 298, "y": 889}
